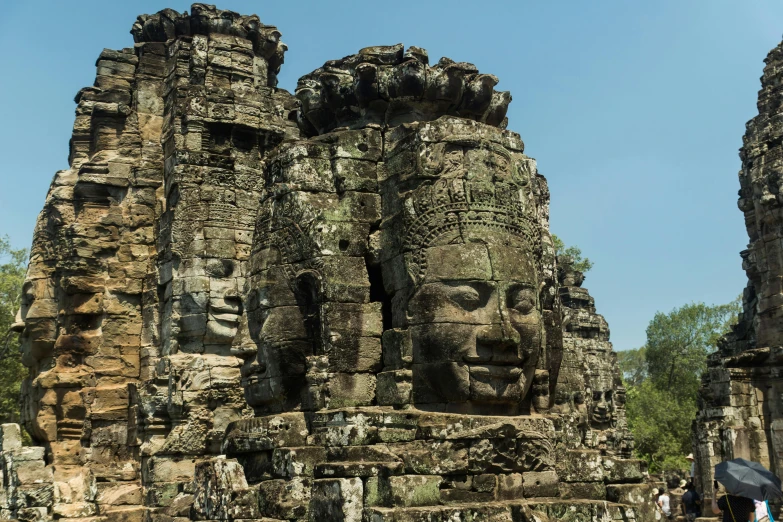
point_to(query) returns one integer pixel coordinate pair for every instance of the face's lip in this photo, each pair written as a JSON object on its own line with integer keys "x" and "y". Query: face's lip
{"x": 225, "y": 305}
{"x": 249, "y": 382}
{"x": 506, "y": 359}
{"x": 224, "y": 316}
{"x": 504, "y": 372}
{"x": 252, "y": 372}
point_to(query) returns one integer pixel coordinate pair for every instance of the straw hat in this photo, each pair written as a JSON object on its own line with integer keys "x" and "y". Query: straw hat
{"x": 689, "y": 457}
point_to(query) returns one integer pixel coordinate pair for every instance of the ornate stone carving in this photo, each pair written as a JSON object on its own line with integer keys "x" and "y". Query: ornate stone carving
{"x": 391, "y": 85}
{"x": 224, "y": 320}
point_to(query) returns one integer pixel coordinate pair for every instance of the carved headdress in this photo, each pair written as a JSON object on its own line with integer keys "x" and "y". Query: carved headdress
{"x": 451, "y": 211}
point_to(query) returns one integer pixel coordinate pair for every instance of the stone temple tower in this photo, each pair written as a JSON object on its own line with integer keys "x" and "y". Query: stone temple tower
{"x": 342, "y": 304}
{"x": 741, "y": 411}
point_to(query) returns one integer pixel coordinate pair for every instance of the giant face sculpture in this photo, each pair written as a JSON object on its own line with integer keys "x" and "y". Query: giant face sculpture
{"x": 602, "y": 409}
{"x": 456, "y": 267}
{"x": 209, "y": 310}
{"x": 284, "y": 300}
{"x": 36, "y": 320}
{"x": 473, "y": 310}
{"x": 475, "y": 334}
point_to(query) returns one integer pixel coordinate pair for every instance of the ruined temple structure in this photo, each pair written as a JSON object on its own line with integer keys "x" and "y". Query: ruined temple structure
{"x": 741, "y": 397}
{"x": 589, "y": 391}
{"x": 338, "y": 305}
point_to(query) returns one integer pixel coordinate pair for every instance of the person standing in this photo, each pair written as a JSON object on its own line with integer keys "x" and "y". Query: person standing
{"x": 690, "y": 459}
{"x": 733, "y": 507}
{"x": 664, "y": 504}
{"x": 691, "y": 503}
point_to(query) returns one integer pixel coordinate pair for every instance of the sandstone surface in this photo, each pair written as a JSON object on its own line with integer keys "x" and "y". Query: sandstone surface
{"x": 342, "y": 304}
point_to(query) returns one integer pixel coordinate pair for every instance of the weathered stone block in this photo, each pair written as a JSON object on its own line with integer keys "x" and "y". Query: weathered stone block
{"x": 168, "y": 469}
{"x": 623, "y": 470}
{"x": 216, "y": 482}
{"x": 295, "y": 462}
{"x": 285, "y": 499}
{"x": 337, "y": 499}
{"x": 351, "y": 389}
{"x": 10, "y": 437}
{"x": 540, "y": 484}
{"x": 588, "y": 490}
{"x": 580, "y": 466}
{"x": 414, "y": 490}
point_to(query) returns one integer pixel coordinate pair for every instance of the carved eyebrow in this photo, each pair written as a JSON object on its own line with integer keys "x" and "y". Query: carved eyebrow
{"x": 522, "y": 285}
{"x": 466, "y": 282}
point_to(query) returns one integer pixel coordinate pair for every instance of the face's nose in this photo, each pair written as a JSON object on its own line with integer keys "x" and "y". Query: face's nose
{"x": 498, "y": 343}
{"x": 18, "y": 324}
{"x": 253, "y": 367}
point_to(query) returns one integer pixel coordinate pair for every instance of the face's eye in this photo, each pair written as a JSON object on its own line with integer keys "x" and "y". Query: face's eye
{"x": 465, "y": 296}
{"x": 27, "y": 299}
{"x": 523, "y": 300}
{"x": 28, "y": 296}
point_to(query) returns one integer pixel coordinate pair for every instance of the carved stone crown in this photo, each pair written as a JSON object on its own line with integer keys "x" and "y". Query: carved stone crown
{"x": 206, "y": 19}
{"x": 385, "y": 85}
{"x": 440, "y": 213}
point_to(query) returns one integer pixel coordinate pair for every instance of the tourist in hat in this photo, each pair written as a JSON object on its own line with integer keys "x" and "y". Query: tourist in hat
{"x": 690, "y": 459}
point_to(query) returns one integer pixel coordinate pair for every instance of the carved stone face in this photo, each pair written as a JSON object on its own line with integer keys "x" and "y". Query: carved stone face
{"x": 36, "y": 321}
{"x": 224, "y": 308}
{"x": 281, "y": 327}
{"x": 476, "y": 328}
{"x": 210, "y": 309}
{"x": 602, "y": 409}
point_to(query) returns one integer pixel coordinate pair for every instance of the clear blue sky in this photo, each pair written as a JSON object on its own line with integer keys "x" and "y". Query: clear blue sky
{"x": 633, "y": 109}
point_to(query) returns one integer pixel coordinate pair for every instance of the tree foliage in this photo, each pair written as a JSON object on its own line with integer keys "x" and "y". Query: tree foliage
{"x": 662, "y": 379}
{"x": 583, "y": 264}
{"x": 661, "y": 426}
{"x": 678, "y": 344}
{"x": 633, "y": 366}
{"x": 12, "y": 271}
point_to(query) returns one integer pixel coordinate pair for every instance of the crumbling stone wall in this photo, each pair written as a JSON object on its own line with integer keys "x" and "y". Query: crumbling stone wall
{"x": 339, "y": 305}
{"x": 740, "y": 411}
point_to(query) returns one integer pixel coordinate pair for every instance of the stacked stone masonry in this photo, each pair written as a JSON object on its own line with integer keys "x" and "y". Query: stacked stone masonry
{"x": 741, "y": 413}
{"x": 342, "y": 304}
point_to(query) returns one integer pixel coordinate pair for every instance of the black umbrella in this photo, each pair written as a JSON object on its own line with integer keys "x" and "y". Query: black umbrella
{"x": 748, "y": 479}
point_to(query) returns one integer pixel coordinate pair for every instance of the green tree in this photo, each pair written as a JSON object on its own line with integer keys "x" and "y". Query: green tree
{"x": 661, "y": 426}
{"x": 678, "y": 344}
{"x": 633, "y": 366}
{"x": 583, "y": 264}
{"x": 662, "y": 379}
{"x": 12, "y": 271}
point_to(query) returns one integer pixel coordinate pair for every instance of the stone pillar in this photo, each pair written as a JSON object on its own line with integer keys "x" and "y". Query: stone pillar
{"x": 221, "y": 114}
